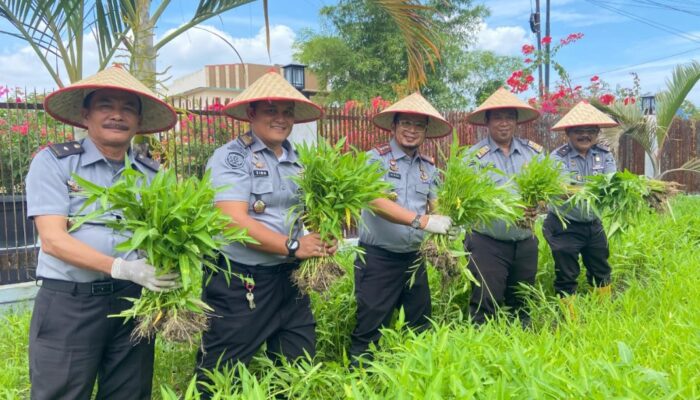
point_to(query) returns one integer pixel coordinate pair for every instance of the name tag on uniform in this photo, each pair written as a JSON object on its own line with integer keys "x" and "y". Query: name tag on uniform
{"x": 394, "y": 175}
{"x": 260, "y": 173}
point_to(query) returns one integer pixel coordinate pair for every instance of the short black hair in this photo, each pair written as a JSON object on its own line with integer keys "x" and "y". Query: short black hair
{"x": 87, "y": 99}
{"x": 487, "y": 113}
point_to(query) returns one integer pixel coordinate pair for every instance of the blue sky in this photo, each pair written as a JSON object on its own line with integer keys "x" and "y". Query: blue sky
{"x": 619, "y": 38}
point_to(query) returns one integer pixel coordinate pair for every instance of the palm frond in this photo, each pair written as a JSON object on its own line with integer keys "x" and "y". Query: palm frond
{"x": 631, "y": 123}
{"x": 669, "y": 101}
{"x": 692, "y": 165}
{"x": 416, "y": 27}
{"x": 206, "y": 9}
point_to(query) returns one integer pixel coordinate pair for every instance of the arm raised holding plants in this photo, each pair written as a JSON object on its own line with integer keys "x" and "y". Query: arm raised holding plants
{"x": 269, "y": 241}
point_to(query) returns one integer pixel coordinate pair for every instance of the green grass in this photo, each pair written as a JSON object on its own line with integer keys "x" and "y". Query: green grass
{"x": 643, "y": 344}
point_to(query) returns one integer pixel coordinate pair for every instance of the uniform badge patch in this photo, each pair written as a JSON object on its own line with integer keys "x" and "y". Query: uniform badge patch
{"x": 260, "y": 173}
{"x": 259, "y": 206}
{"x": 235, "y": 159}
{"x": 73, "y": 186}
{"x": 535, "y": 146}
{"x": 394, "y": 175}
{"x": 482, "y": 152}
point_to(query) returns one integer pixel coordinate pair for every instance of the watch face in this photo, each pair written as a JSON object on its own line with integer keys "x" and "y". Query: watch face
{"x": 292, "y": 244}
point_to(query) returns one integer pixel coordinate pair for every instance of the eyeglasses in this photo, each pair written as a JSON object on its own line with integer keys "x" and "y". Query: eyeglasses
{"x": 585, "y": 131}
{"x": 417, "y": 126}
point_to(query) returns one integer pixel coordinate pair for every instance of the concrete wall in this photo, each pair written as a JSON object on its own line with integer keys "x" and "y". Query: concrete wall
{"x": 17, "y": 297}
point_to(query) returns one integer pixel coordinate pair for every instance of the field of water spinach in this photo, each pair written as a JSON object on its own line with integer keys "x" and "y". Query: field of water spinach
{"x": 644, "y": 343}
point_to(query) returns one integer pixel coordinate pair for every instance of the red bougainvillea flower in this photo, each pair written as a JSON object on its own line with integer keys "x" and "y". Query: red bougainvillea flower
{"x": 3, "y": 91}
{"x": 216, "y": 106}
{"x": 349, "y": 105}
{"x": 528, "y": 49}
{"x": 21, "y": 129}
{"x": 379, "y": 104}
{"x": 595, "y": 78}
{"x": 527, "y": 60}
{"x": 546, "y": 40}
{"x": 629, "y": 100}
{"x": 548, "y": 107}
{"x": 529, "y": 79}
{"x": 607, "y": 99}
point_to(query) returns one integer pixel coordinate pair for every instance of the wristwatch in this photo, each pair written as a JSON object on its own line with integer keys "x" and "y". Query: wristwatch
{"x": 415, "y": 224}
{"x": 292, "y": 247}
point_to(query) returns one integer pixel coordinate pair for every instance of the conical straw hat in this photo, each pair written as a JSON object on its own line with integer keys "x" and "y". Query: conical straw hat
{"x": 66, "y": 104}
{"x": 273, "y": 87}
{"x": 417, "y": 105}
{"x": 584, "y": 114}
{"x": 499, "y": 100}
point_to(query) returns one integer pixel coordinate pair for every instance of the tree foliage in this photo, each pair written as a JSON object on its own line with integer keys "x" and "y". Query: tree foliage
{"x": 359, "y": 53}
{"x": 652, "y": 133}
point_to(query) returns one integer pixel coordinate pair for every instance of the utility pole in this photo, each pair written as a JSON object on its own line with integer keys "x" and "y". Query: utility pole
{"x": 536, "y": 28}
{"x": 546, "y": 49}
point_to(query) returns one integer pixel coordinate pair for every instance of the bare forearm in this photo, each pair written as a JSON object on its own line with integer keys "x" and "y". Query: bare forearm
{"x": 72, "y": 251}
{"x": 269, "y": 240}
{"x": 393, "y": 212}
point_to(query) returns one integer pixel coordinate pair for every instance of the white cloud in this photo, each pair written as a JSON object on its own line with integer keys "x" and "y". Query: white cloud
{"x": 502, "y": 40}
{"x": 194, "y": 49}
{"x": 21, "y": 66}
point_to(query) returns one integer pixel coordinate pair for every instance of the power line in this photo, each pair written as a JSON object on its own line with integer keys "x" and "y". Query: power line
{"x": 642, "y": 63}
{"x": 646, "y": 21}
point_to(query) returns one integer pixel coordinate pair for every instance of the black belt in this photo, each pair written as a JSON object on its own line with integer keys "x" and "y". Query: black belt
{"x": 379, "y": 251}
{"x": 572, "y": 222}
{"x": 97, "y": 288}
{"x": 257, "y": 270}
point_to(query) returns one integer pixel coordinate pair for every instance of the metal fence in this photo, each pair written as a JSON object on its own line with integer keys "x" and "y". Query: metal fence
{"x": 25, "y": 129}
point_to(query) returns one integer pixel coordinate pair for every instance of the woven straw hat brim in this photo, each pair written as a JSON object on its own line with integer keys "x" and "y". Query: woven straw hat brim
{"x": 584, "y": 114}
{"x": 499, "y": 100}
{"x": 66, "y": 104}
{"x": 414, "y": 104}
{"x": 273, "y": 87}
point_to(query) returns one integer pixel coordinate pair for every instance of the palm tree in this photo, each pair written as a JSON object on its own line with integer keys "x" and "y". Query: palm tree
{"x": 55, "y": 29}
{"x": 652, "y": 133}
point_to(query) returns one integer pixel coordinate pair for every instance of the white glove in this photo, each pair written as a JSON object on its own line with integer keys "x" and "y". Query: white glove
{"x": 454, "y": 233}
{"x": 438, "y": 224}
{"x": 139, "y": 272}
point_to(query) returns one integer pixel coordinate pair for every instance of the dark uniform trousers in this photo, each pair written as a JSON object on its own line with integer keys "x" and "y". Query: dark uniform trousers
{"x": 585, "y": 238}
{"x": 499, "y": 266}
{"x": 72, "y": 341}
{"x": 382, "y": 284}
{"x": 281, "y": 318}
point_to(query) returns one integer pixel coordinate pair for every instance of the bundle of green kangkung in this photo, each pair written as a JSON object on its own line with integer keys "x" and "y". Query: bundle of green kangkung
{"x": 540, "y": 183}
{"x": 335, "y": 187}
{"x": 620, "y": 198}
{"x": 470, "y": 197}
{"x": 178, "y": 228}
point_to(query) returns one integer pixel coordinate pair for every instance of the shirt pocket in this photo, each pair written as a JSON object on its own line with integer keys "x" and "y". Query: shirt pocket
{"x": 422, "y": 193}
{"x": 261, "y": 190}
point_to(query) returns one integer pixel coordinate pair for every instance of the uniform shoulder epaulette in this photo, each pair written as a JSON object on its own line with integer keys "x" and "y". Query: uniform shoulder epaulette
{"x": 66, "y": 149}
{"x": 148, "y": 162}
{"x": 535, "y": 146}
{"x": 429, "y": 159}
{"x": 246, "y": 139}
{"x": 564, "y": 150}
{"x": 383, "y": 148}
{"x": 603, "y": 146}
{"x": 482, "y": 151}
